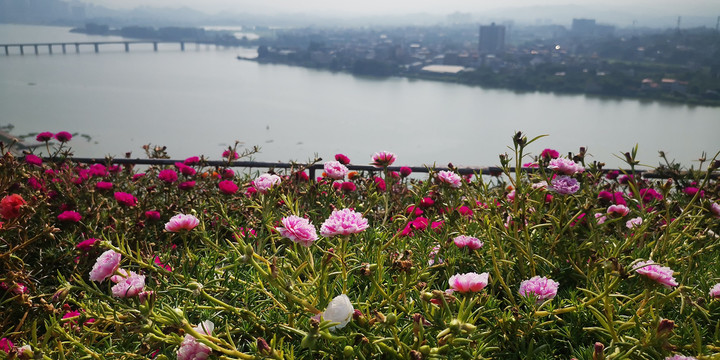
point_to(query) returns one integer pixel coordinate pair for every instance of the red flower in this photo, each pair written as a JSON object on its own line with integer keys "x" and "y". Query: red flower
{"x": 44, "y": 136}
{"x": 192, "y": 160}
{"x": 33, "y": 160}
{"x": 380, "y": 183}
{"x": 405, "y": 171}
{"x": 168, "y": 175}
{"x": 152, "y": 215}
{"x": 342, "y": 159}
{"x": 186, "y": 185}
{"x": 10, "y": 206}
{"x": 348, "y": 186}
{"x": 104, "y": 185}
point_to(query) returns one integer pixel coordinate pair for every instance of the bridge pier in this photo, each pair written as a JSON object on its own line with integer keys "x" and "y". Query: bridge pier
{"x": 22, "y": 50}
{"x": 50, "y": 49}
{"x": 36, "y": 49}
{"x": 77, "y": 48}
{"x": 63, "y": 48}
{"x": 182, "y": 46}
{"x": 154, "y": 45}
{"x": 127, "y": 47}
{"x": 7, "y": 51}
{"x": 97, "y": 48}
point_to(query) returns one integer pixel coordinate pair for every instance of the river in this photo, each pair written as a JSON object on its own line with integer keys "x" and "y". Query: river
{"x": 203, "y": 99}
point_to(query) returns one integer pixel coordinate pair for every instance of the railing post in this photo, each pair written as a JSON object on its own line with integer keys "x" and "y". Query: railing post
{"x": 77, "y": 48}
{"x": 127, "y": 47}
{"x": 36, "y": 49}
{"x": 7, "y": 51}
{"x": 50, "y": 49}
{"x": 154, "y": 45}
{"x": 63, "y": 49}
{"x": 22, "y": 50}
{"x": 182, "y": 46}
{"x": 97, "y": 47}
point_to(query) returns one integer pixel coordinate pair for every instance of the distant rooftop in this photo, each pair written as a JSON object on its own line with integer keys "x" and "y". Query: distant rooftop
{"x": 444, "y": 69}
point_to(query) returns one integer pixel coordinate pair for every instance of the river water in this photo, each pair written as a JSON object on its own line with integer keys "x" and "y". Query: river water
{"x": 203, "y": 99}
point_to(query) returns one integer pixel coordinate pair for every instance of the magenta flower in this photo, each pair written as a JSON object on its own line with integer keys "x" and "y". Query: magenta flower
{"x": 168, "y": 175}
{"x": 565, "y": 166}
{"x": 661, "y": 274}
{"x": 193, "y": 160}
{"x": 129, "y": 286}
{"x": 405, "y": 171}
{"x": 348, "y": 186}
{"x": 104, "y": 185}
{"x": 343, "y": 222}
{"x": 137, "y": 177}
{"x": 680, "y": 357}
{"x": 33, "y": 160}
{"x": 159, "y": 263}
{"x": 86, "y": 245}
{"x": 649, "y": 195}
{"x": 44, "y": 136}
{"x": 230, "y": 154}
{"x": 184, "y": 169}
{"x": 469, "y": 282}
{"x": 335, "y": 170}
{"x": 227, "y": 187}
{"x": 383, "y": 159}
{"x": 105, "y": 266}
{"x": 468, "y": 241}
{"x": 186, "y": 185}
{"x": 548, "y": 154}
{"x": 380, "y": 183}
{"x": 126, "y": 199}
{"x": 715, "y": 291}
{"x": 191, "y": 349}
{"x": 342, "y": 159}
{"x": 63, "y": 136}
{"x": 564, "y": 185}
{"x": 152, "y": 215}
{"x": 6, "y": 345}
{"x": 450, "y": 178}
{"x": 265, "y": 182}
{"x": 298, "y": 229}
{"x": 69, "y": 216}
{"x": 600, "y": 218}
{"x": 618, "y": 210}
{"x": 181, "y": 222}
{"x": 541, "y": 288}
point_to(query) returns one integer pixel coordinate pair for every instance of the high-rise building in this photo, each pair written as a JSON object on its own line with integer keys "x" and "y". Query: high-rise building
{"x": 492, "y": 39}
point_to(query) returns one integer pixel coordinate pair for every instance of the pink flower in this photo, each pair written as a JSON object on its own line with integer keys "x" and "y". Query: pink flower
{"x": 564, "y": 185}
{"x": 661, "y": 274}
{"x": 184, "y": 169}
{"x": 450, "y": 178}
{"x": 129, "y": 285}
{"x": 126, "y": 199}
{"x": 511, "y": 196}
{"x": 191, "y": 349}
{"x": 715, "y": 209}
{"x": 265, "y": 182}
{"x": 541, "y": 288}
{"x": 63, "y": 136}
{"x": 469, "y": 282}
{"x": 691, "y": 190}
{"x": 298, "y": 229}
{"x": 383, "y": 159}
{"x": 227, "y": 187}
{"x": 105, "y": 265}
{"x": 181, "y": 222}
{"x": 600, "y": 218}
{"x": 343, "y": 222}
{"x": 427, "y": 202}
{"x": 104, "y": 185}
{"x": 348, "y": 186}
{"x": 44, "y": 136}
{"x": 565, "y": 166}
{"x": 468, "y": 241}
{"x": 86, "y": 245}
{"x": 168, "y": 175}
{"x": 433, "y": 254}
{"x": 649, "y": 195}
{"x": 230, "y": 154}
{"x": 715, "y": 291}
{"x": 680, "y": 357}
{"x": 405, "y": 171}
{"x": 33, "y": 160}
{"x": 634, "y": 222}
{"x": 342, "y": 159}
{"x": 69, "y": 216}
{"x": 335, "y": 170}
{"x": 137, "y": 177}
{"x": 619, "y": 210}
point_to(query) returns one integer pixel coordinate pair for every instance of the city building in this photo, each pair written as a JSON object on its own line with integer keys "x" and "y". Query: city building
{"x": 492, "y": 39}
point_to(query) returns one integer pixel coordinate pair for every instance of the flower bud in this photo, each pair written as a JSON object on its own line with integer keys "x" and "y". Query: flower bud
{"x": 263, "y": 347}
{"x": 598, "y": 351}
{"x": 391, "y": 319}
{"x": 425, "y": 350}
{"x": 348, "y": 352}
{"x": 415, "y": 355}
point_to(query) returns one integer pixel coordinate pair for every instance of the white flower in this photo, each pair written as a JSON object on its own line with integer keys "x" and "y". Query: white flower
{"x": 339, "y": 310}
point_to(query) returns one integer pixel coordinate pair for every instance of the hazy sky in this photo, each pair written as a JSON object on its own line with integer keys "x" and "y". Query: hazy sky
{"x": 381, "y": 7}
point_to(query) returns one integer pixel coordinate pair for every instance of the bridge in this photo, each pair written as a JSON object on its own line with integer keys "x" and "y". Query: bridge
{"x": 95, "y": 45}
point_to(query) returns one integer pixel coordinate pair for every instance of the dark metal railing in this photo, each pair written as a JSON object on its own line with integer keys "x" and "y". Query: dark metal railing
{"x": 312, "y": 168}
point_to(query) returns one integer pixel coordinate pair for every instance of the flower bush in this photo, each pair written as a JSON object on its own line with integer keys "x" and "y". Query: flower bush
{"x": 551, "y": 261}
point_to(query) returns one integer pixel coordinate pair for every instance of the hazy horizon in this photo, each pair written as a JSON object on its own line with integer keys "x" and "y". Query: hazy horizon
{"x": 401, "y": 7}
